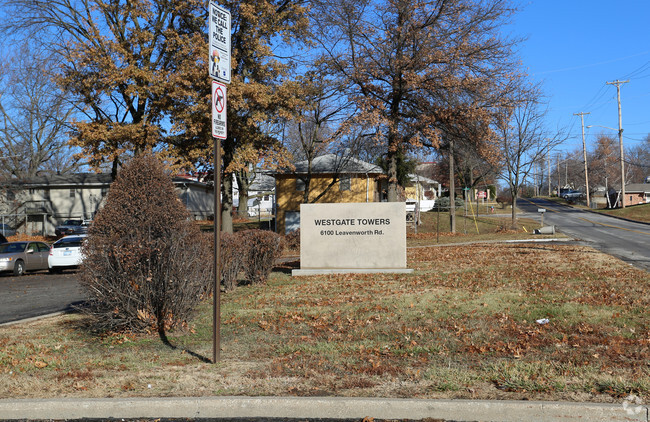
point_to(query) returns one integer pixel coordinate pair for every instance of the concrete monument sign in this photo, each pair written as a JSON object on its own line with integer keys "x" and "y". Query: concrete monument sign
{"x": 353, "y": 237}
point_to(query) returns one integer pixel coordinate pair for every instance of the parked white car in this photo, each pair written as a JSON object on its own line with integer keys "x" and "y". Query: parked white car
{"x": 66, "y": 253}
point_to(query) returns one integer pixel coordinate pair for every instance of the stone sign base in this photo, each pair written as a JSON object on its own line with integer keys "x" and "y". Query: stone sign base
{"x": 315, "y": 271}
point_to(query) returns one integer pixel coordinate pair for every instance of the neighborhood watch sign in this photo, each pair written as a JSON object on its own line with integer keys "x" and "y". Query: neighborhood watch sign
{"x": 368, "y": 236}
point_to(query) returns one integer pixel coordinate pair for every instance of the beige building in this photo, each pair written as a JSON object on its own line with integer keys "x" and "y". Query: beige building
{"x": 40, "y": 204}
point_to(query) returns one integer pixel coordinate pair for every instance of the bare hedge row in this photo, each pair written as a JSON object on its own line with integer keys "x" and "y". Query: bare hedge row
{"x": 252, "y": 252}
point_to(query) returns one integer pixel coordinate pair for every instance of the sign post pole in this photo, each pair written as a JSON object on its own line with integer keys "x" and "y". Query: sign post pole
{"x": 219, "y": 69}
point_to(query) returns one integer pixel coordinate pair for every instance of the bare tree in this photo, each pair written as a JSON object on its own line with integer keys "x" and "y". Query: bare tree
{"x": 638, "y": 161}
{"x": 604, "y": 164}
{"x": 323, "y": 128}
{"x": 415, "y": 67}
{"x": 523, "y": 141}
{"x": 34, "y": 116}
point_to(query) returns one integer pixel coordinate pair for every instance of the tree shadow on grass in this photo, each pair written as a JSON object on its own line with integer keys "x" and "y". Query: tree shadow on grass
{"x": 165, "y": 340}
{"x": 85, "y": 324}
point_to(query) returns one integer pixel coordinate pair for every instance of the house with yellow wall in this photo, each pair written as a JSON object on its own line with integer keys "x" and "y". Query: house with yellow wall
{"x": 332, "y": 179}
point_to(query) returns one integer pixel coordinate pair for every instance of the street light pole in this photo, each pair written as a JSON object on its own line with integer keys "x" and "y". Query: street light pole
{"x": 618, "y": 84}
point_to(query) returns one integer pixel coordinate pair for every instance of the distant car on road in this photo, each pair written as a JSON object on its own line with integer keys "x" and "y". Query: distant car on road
{"x": 20, "y": 257}
{"x": 6, "y": 230}
{"x": 572, "y": 194}
{"x": 71, "y": 227}
{"x": 66, "y": 253}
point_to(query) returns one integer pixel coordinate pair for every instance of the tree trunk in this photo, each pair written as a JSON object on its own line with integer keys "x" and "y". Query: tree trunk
{"x": 114, "y": 167}
{"x": 452, "y": 190}
{"x": 392, "y": 172}
{"x": 244, "y": 185}
{"x": 514, "y": 211}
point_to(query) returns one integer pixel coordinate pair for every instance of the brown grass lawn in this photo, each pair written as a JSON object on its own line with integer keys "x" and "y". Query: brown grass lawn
{"x": 463, "y": 325}
{"x": 637, "y": 212}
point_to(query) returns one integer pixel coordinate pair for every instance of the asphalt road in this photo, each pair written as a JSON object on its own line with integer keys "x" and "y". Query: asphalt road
{"x": 627, "y": 240}
{"x": 37, "y": 294}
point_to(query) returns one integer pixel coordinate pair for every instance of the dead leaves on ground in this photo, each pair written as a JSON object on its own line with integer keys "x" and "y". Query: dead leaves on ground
{"x": 469, "y": 304}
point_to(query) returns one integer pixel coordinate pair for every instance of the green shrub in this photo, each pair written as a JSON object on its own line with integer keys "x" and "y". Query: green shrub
{"x": 146, "y": 264}
{"x": 263, "y": 248}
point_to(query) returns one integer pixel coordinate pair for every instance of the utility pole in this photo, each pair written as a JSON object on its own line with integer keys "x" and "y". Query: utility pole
{"x": 558, "y": 174}
{"x": 548, "y": 161}
{"x": 618, "y": 84}
{"x": 584, "y": 153}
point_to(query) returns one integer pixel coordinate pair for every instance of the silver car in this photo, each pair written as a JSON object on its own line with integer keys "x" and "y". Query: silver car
{"x": 19, "y": 257}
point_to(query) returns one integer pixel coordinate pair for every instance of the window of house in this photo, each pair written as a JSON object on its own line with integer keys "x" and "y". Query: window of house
{"x": 72, "y": 193}
{"x": 300, "y": 185}
{"x": 104, "y": 191}
{"x": 266, "y": 197}
{"x": 46, "y": 194}
{"x": 344, "y": 183}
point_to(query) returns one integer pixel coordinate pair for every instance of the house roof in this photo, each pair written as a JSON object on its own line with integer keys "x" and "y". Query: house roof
{"x": 263, "y": 182}
{"x": 638, "y": 187}
{"x": 87, "y": 179}
{"x": 75, "y": 179}
{"x": 421, "y": 179}
{"x": 332, "y": 163}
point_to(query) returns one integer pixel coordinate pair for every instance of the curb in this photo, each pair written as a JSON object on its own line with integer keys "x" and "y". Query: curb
{"x": 327, "y": 407}
{"x": 32, "y": 319}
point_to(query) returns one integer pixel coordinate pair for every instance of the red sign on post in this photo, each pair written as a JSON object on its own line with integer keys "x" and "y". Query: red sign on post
{"x": 219, "y": 110}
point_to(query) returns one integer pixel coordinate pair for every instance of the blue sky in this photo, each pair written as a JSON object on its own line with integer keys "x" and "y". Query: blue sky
{"x": 574, "y": 47}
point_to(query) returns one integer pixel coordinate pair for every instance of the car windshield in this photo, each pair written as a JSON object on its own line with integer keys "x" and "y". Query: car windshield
{"x": 12, "y": 247}
{"x": 70, "y": 242}
{"x": 72, "y": 223}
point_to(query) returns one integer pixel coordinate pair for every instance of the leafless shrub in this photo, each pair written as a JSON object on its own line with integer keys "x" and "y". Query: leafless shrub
{"x": 292, "y": 240}
{"x": 146, "y": 264}
{"x": 233, "y": 251}
{"x": 263, "y": 248}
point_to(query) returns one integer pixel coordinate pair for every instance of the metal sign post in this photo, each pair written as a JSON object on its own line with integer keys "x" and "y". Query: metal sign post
{"x": 219, "y": 69}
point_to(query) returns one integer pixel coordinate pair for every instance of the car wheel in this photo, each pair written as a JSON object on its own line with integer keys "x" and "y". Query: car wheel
{"x": 55, "y": 270}
{"x": 19, "y": 268}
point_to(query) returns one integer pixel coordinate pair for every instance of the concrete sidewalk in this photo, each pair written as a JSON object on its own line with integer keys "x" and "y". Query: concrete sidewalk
{"x": 326, "y": 407}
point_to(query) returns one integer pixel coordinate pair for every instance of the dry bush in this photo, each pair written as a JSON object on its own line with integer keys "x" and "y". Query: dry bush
{"x": 146, "y": 264}
{"x": 263, "y": 248}
{"x": 292, "y": 240}
{"x": 233, "y": 252}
